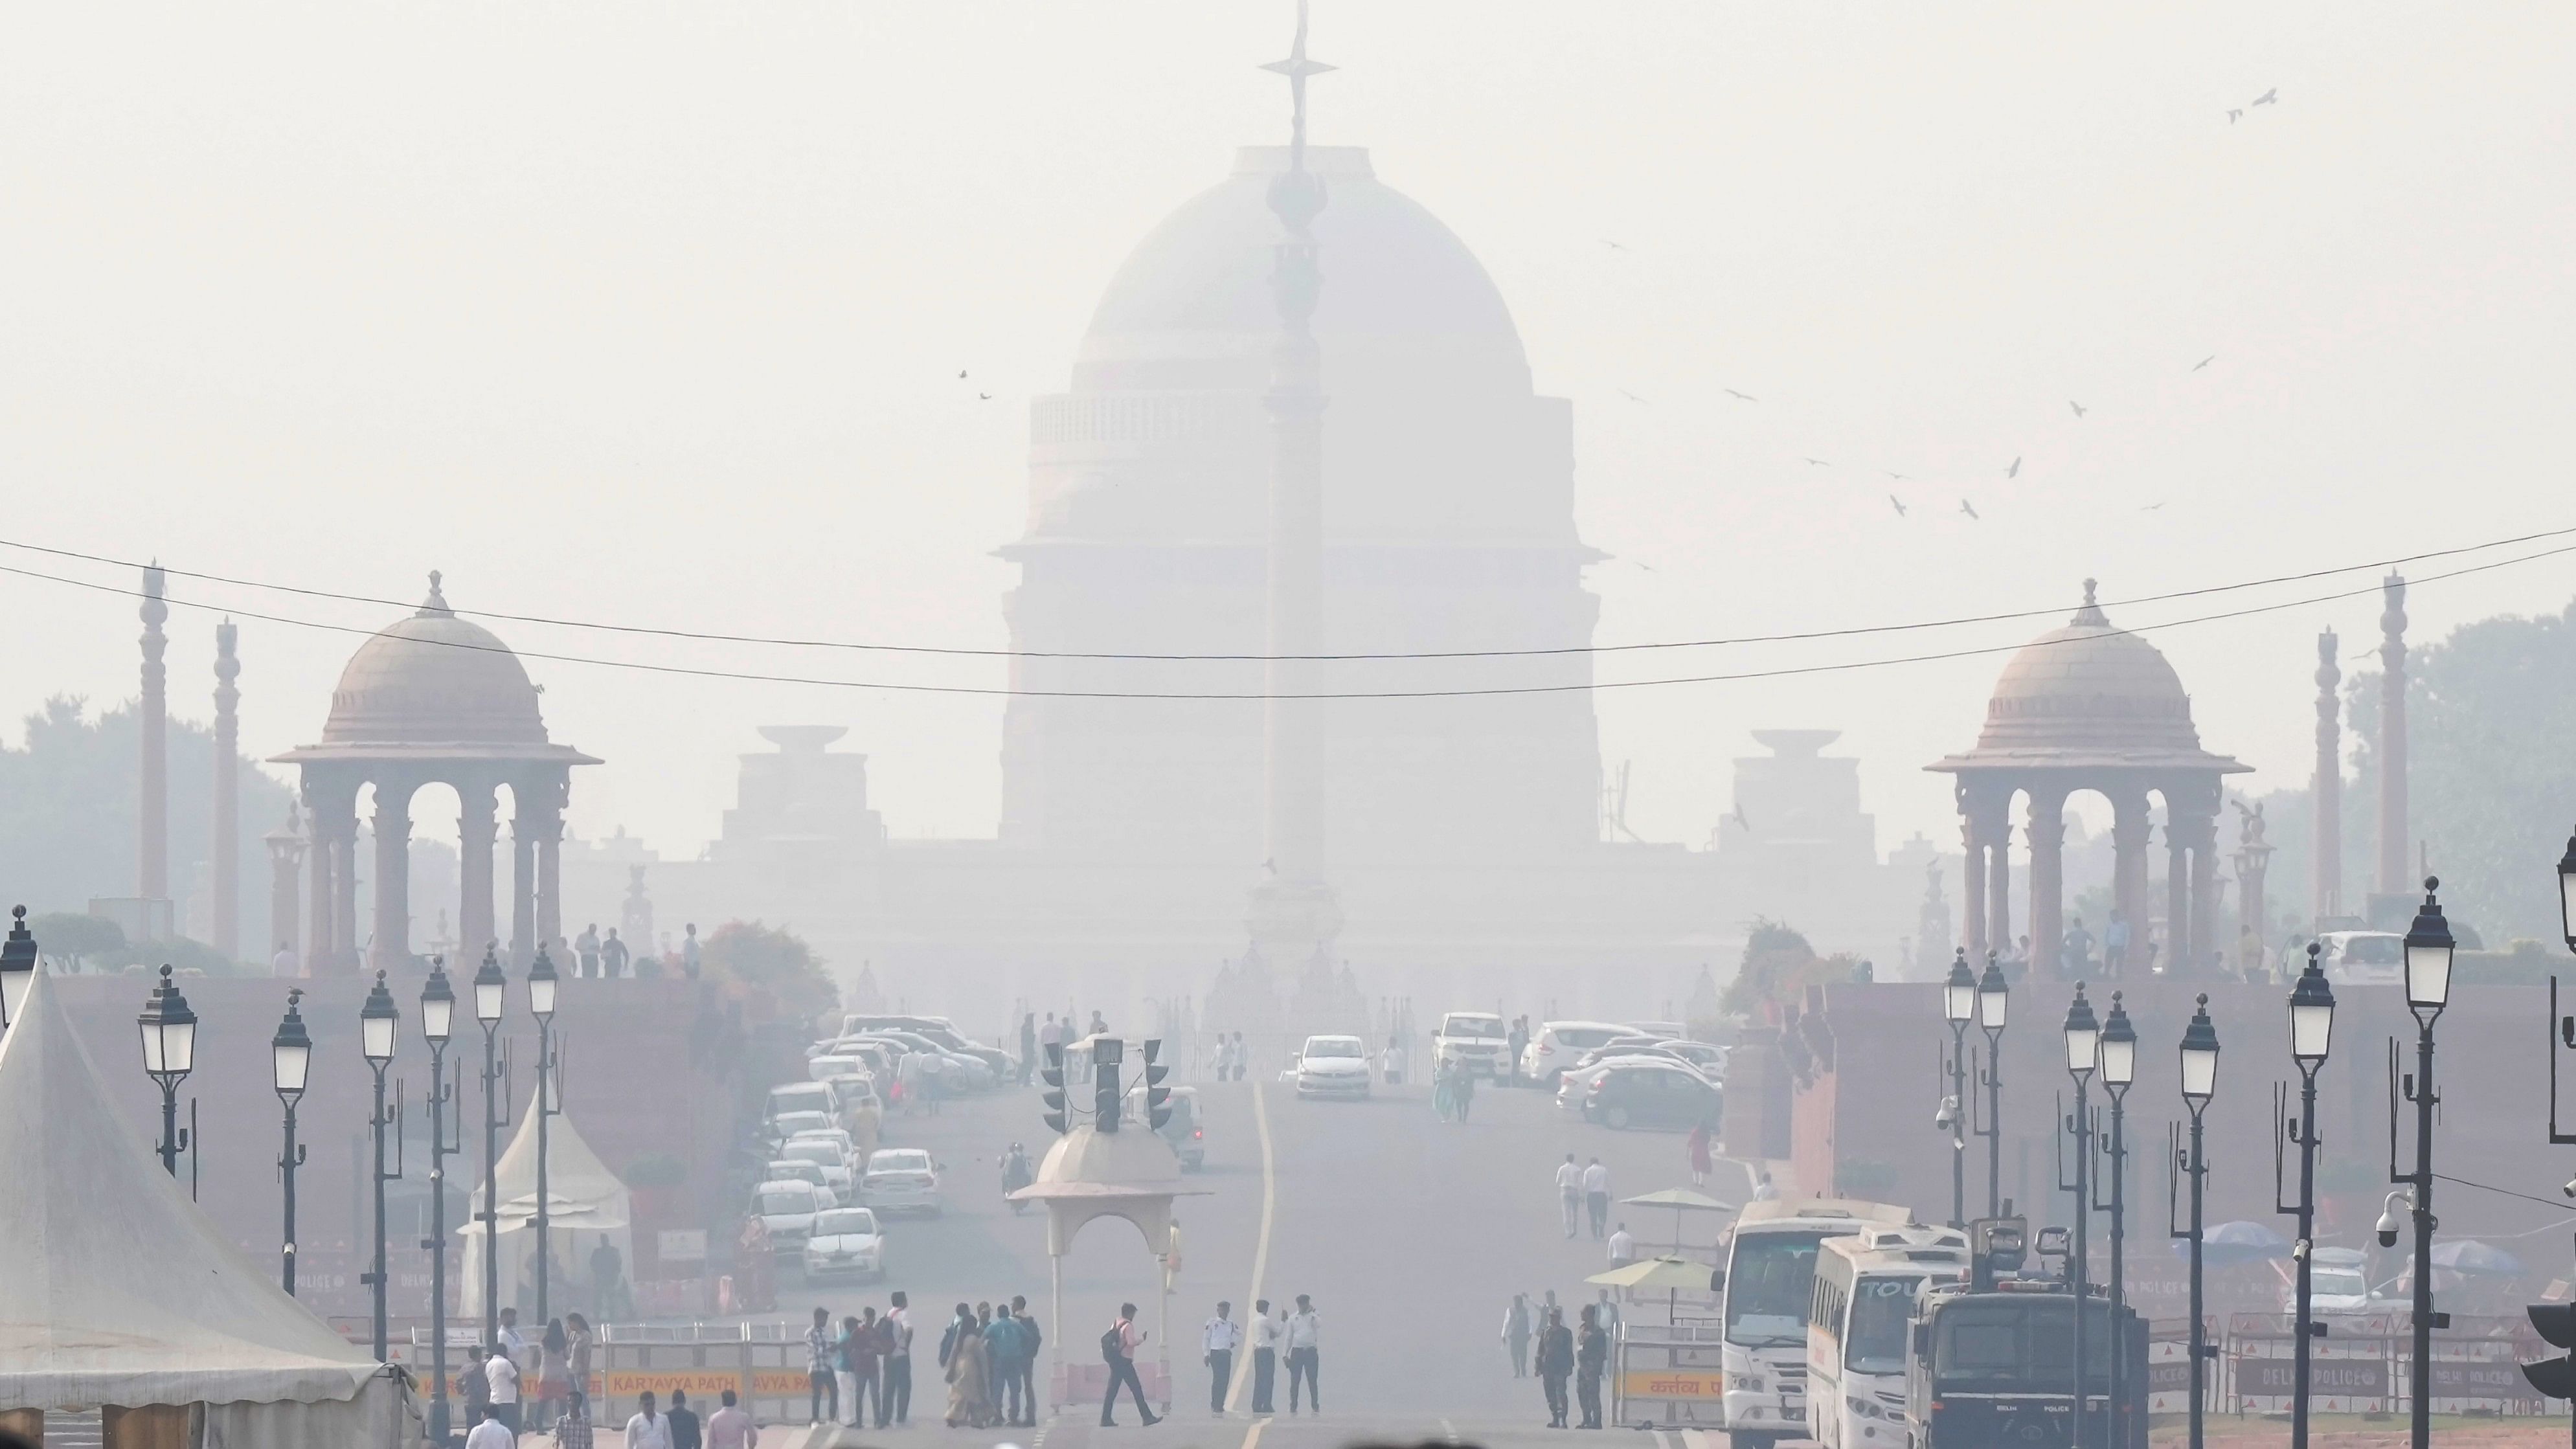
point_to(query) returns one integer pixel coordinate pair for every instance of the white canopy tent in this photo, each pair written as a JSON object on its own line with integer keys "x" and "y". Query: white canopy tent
{"x": 584, "y": 1202}
{"x": 116, "y": 1290}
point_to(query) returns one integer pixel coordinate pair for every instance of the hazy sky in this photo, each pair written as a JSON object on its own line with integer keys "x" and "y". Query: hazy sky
{"x": 653, "y": 313}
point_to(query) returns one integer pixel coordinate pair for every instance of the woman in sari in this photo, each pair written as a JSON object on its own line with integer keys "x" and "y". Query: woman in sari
{"x": 968, "y": 1371}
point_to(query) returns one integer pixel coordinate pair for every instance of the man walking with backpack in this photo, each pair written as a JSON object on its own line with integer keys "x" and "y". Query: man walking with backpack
{"x": 1118, "y": 1350}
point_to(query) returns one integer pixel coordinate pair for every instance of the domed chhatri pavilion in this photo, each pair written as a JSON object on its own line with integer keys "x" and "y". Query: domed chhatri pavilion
{"x": 433, "y": 699}
{"x": 2090, "y": 707}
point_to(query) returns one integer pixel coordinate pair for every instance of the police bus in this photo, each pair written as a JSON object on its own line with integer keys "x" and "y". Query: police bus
{"x": 1992, "y": 1361}
{"x": 1767, "y": 1282}
{"x": 1859, "y": 1322}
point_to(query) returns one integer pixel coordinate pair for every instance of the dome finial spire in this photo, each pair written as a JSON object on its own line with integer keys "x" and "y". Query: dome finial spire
{"x": 436, "y": 603}
{"x": 2091, "y": 613}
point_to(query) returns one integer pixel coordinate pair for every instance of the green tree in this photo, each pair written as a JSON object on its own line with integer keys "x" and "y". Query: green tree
{"x": 772, "y": 958}
{"x": 1779, "y": 966}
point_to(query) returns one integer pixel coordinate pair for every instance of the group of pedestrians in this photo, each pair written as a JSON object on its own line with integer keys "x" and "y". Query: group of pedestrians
{"x": 1580, "y": 1355}
{"x": 862, "y": 1366}
{"x": 1297, "y": 1335}
{"x": 1232, "y": 1057}
{"x": 1584, "y": 1191}
{"x": 531, "y": 1383}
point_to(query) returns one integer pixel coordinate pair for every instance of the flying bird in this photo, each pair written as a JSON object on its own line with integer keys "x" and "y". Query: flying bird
{"x": 1748, "y": 397}
{"x": 2080, "y": 409}
{"x": 961, "y": 372}
{"x": 1630, "y": 396}
{"x": 2015, "y": 470}
{"x": 2269, "y": 97}
{"x": 2204, "y": 362}
{"x": 2233, "y": 115}
{"x": 1738, "y": 816}
{"x": 984, "y": 396}
{"x": 1965, "y": 508}
{"x": 2150, "y": 508}
{"x": 1897, "y": 503}
{"x": 1899, "y": 477}
{"x": 1819, "y": 463}
{"x": 1614, "y": 246}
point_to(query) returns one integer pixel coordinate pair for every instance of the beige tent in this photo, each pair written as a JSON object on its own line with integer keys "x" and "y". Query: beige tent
{"x": 584, "y": 1202}
{"x": 116, "y": 1291}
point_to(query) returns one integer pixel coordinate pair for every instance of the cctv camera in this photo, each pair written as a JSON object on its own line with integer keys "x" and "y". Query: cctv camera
{"x": 2388, "y": 1223}
{"x": 2570, "y": 1188}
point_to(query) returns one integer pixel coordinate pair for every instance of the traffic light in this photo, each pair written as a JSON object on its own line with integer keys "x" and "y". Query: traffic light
{"x": 1158, "y": 1097}
{"x": 1104, "y": 1096}
{"x": 2554, "y": 1377}
{"x": 1053, "y": 1074}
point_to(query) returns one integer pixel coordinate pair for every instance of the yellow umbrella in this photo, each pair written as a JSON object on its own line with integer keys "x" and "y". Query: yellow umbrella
{"x": 1670, "y": 1274}
{"x": 1680, "y": 1200}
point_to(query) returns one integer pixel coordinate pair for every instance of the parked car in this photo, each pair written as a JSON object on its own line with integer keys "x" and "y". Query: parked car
{"x": 831, "y": 1157}
{"x": 1559, "y": 1043}
{"x": 1477, "y": 1040}
{"x": 845, "y": 1241}
{"x": 788, "y": 1125}
{"x": 940, "y": 1032}
{"x": 1651, "y": 1094}
{"x": 787, "y": 1209}
{"x": 1333, "y": 1066}
{"x": 789, "y": 1169}
{"x": 901, "y": 1179}
{"x": 2373, "y": 958}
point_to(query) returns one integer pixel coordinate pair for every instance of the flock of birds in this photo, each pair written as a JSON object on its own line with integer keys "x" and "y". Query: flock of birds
{"x": 2013, "y": 469}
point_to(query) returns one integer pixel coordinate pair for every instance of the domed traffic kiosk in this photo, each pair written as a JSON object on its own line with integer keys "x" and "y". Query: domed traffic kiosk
{"x": 433, "y": 699}
{"x": 2090, "y": 707}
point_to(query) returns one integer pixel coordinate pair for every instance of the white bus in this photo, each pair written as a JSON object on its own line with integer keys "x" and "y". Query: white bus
{"x": 1768, "y": 1286}
{"x": 1858, "y": 1320}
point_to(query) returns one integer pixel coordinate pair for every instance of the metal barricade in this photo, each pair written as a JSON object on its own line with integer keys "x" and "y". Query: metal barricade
{"x": 1667, "y": 1374}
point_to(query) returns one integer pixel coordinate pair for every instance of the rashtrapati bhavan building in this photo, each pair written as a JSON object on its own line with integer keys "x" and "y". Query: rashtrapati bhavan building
{"x": 1454, "y": 850}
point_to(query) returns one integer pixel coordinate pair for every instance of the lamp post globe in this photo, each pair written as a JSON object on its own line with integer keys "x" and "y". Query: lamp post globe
{"x": 169, "y": 1034}
{"x": 17, "y": 967}
{"x": 541, "y": 986}
{"x": 2083, "y": 1037}
{"x": 437, "y": 1005}
{"x": 491, "y": 989}
{"x": 377, "y": 1021}
{"x": 2428, "y": 957}
{"x": 2200, "y": 1059}
{"x": 1994, "y": 996}
{"x": 1959, "y": 993}
{"x": 2119, "y": 1048}
{"x": 2312, "y": 1009}
{"x": 290, "y": 1052}
{"x": 2567, "y": 893}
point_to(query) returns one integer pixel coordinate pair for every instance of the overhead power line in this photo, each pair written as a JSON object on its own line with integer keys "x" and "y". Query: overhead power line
{"x": 1801, "y": 636}
{"x": 756, "y": 676}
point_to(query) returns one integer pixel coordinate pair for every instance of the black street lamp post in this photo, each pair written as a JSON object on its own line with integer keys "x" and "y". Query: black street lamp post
{"x": 2199, "y": 1084}
{"x": 291, "y": 1064}
{"x": 2083, "y": 1050}
{"x": 169, "y": 1054}
{"x": 2119, "y": 1056}
{"x": 2312, "y": 1008}
{"x": 2428, "y": 990}
{"x": 541, "y": 1001}
{"x": 1959, "y": 1007}
{"x": 1994, "y": 995}
{"x": 490, "y": 987}
{"x": 377, "y": 1022}
{"x": 437, "y": 1018}
{"x": 17, "y": 967}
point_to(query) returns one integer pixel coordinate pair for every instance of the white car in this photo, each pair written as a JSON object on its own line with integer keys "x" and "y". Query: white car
{"x": 787, "y": 1209}
{"x": 1333, "y": 1066}
{"x": 788, "y": 1170}
{"x": 845, "y": 1240}
{"x": 794, "y": 1124}
{"x": 1476, "y": 1040}
{"x": 1559, "y": 1044}
{"x": 827, "y": 1157}
{"x": 2363, "y": 958}
{"x": 1574, "y": 1083}
{"x": 901, "y": 1179}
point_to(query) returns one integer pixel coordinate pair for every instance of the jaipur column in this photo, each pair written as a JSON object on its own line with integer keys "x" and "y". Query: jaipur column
{"x": 392, "y": 947}
{"x": 474, "y": 832}
{"x": 330, "y": 806}
{"x": 2047, "y": 836}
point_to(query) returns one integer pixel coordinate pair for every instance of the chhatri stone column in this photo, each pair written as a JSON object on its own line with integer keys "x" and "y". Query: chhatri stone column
{"x": 2201, "y": 829}
{"x": 226, "y": 935}
{"x": 1981, "y": 832}
{"x": 2394, "y": 878}
{"x": 2129, "y": 830}
{"x": 392, "y": 946}
{"x": 285, "y": 867}
{"x": 331, "y": 807}
{"x": 523, "y": 877}
{"x": 1999, "y": 874}
{"x": 474, "y": 834}
{"x": 2177, "y": 881}
{"x": 2325, "y": 866}
{"x": 152, "y": 814}
{"x": 2047, "y": 836}
{"x": 546, "y": 828}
